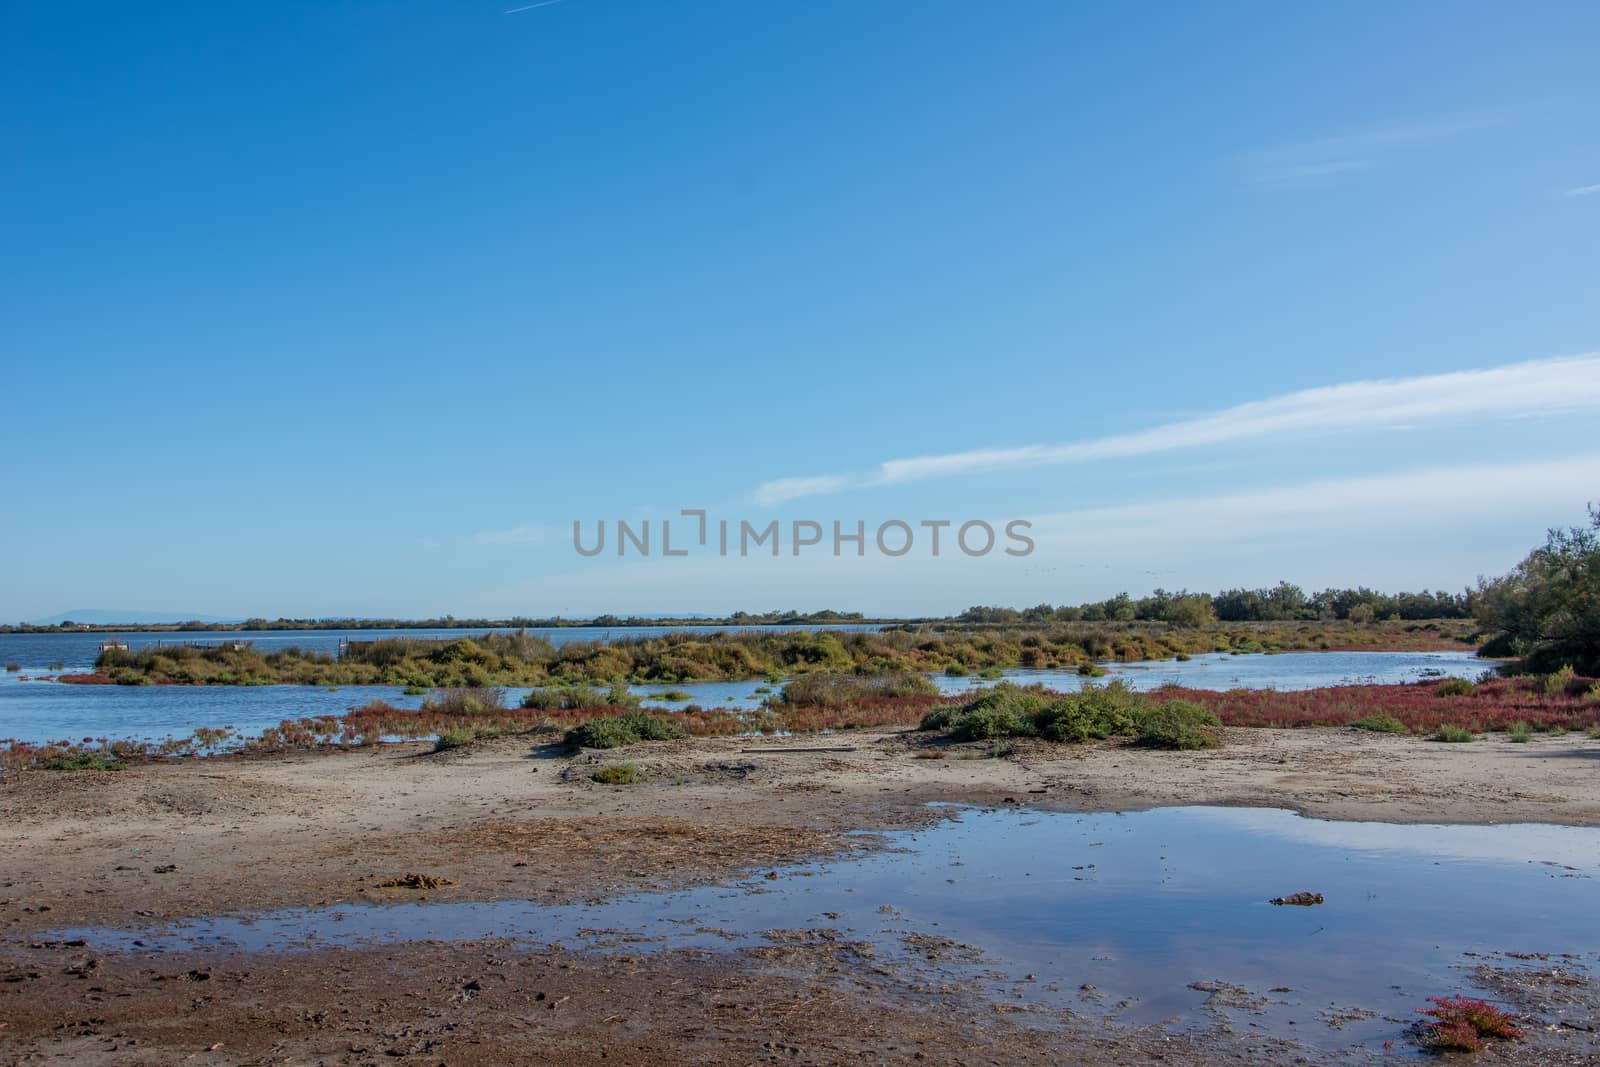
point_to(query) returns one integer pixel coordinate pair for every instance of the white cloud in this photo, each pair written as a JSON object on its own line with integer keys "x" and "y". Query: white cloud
{"x": 1533, "y": 388}
{"x": 1584, "y": 190}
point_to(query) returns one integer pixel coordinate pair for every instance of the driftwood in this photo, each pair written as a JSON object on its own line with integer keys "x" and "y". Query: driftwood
{"x": 777, "y": 751}
{"x": 1300, "y": 900}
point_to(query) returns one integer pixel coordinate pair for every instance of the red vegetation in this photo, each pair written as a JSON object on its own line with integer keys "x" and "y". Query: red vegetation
{"x": 1495, "y": 705}
{"x": 1461, "y": 1024}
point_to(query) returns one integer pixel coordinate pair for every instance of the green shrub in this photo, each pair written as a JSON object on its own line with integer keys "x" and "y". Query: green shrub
{"x": 616, "y": 774}
{"x": 1456, "y": 687}
{"x": 1519, "y": 732}
{"x": 1177, "y": 724}
{"x": 675, "y": 696}
{"x": 990, "y": 674}
{"x": 1011, "y": 710}
{"x": 1453, "y": 734}
{"x": 1093, "y": 713}
{"x": 956, "y": 670}
{"x": 1381, "y": 724}
{"x": 12, "y": 668}
{"x": 415, "y": 690}
{"x": 616, "y": 731}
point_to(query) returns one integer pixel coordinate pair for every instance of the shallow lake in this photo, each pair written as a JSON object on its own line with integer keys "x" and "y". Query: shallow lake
{"x": 49, "y": 711}
{"x": 1114, "y": 914}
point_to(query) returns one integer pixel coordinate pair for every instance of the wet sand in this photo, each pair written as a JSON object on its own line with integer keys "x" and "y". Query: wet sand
{"x": 511, "y": 818}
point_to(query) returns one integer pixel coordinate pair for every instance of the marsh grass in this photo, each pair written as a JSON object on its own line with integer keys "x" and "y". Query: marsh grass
{"x": 1455, "y": 687}
{"x": 1453, "y": 734}
{"x": 1381, "y": 724}
{"x": 1519, "y": 733}
{"x": 616, "y": 774}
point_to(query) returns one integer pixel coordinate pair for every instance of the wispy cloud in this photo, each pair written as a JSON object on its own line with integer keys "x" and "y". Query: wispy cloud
{"x": 530, "y": 7}
{"x": 516, "y": 535}
{"x": 1584, "y": 190}
{"x": 1535, "y": 387}
{"x": 1326, "y": 160}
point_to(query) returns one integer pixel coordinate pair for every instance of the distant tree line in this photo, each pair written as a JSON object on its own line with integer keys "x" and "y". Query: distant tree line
{"x": 1284, "y": 602}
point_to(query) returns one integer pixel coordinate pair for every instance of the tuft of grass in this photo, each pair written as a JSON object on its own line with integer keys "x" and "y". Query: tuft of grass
{"x": 1519, "y": 732}
{"x": 1455, "y": 687}
{"x": 990, "y": 674}
{"x": 1560, "y": 682}
{"x": 1381, "y": 724}
{"x": 1453, "y": 734}
{"x": 455, "y": 737}
{"x": 616, "y": 774}
{"x": 12, "y": 668}
{"x": 417, "y": 881}
{"x": 956, "y": 670}
{"x": 617, "y": 731}
{"x": 415, "y": 690}
{"x": 676, "y": 696}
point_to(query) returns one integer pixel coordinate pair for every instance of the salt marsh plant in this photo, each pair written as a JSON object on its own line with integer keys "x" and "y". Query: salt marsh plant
{"x": 1094, "y": 712}
{"x": 616, "y": 774}
{"x": 617, "y": 731}
{"x": 1381, "y": 724}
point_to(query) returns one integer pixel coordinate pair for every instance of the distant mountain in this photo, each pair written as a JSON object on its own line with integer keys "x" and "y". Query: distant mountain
{"x": 113, "y": 616}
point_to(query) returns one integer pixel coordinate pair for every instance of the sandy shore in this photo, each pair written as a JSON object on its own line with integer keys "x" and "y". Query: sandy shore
{"x": 511, "y": 818}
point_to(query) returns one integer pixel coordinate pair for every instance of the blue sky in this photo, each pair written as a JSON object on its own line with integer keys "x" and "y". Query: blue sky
{"x": 353, "y": 308}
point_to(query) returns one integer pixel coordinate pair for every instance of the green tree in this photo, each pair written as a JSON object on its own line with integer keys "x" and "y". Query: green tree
{"x": 1547, "y": 610}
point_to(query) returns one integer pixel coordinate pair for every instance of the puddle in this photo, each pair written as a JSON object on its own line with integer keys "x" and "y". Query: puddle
{"x": 1120, "y": 915}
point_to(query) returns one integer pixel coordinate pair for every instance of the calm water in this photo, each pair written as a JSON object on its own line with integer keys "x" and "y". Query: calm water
{"x": 1138, "y": 906}
{"x": 49, "y": 711}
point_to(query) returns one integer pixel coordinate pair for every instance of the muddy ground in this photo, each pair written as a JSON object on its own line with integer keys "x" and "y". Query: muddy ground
{"x": 511, "y": 818}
